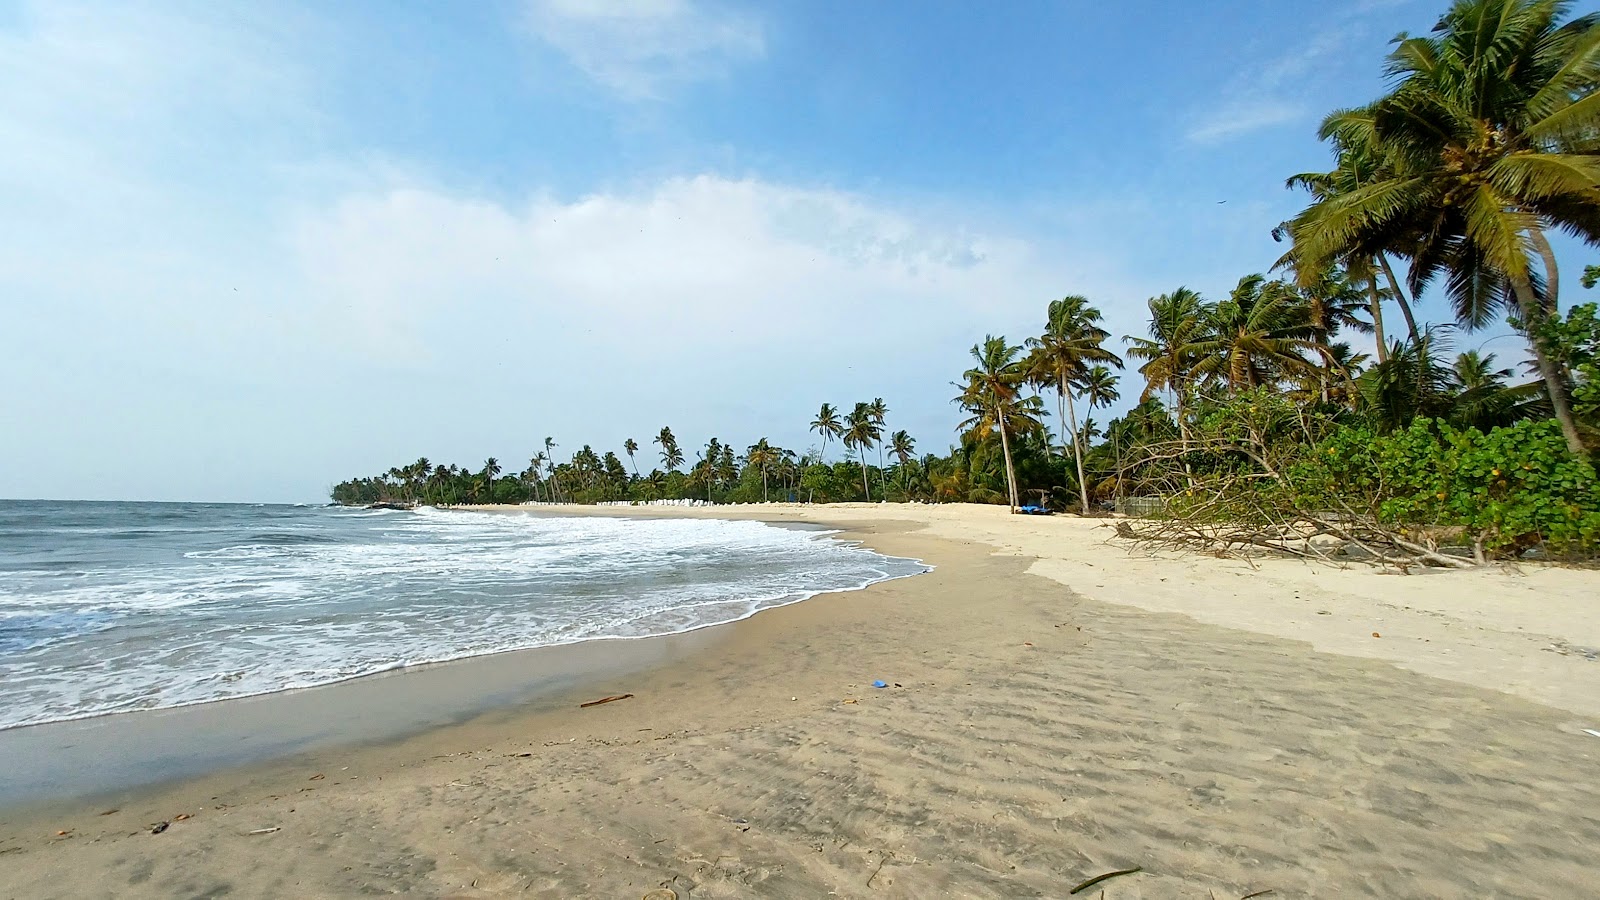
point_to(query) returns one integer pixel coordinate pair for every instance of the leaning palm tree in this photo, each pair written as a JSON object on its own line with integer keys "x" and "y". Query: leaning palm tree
{"x": 1491, "y": 137}
{"x": 991, "y": 393}
{"x": 827, "y": 425}
{"x": 630, "y": 447}
{"x": 550, "y": 460}
{"x": 1072, "y": 340}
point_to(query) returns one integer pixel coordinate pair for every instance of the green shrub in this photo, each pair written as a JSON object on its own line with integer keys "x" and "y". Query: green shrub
{"x": 1508, "y": 489}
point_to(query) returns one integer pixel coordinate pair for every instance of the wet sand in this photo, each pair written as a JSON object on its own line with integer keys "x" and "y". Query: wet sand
{"x": 1061, "y": 712}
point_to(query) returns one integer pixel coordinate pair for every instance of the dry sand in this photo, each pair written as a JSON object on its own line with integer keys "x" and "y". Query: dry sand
{"x": 1064, "y": 708}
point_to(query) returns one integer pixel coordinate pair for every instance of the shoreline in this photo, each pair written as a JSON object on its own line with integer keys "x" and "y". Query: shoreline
{"x": 449, "y": 690}
{"x": 1040, "y": 735}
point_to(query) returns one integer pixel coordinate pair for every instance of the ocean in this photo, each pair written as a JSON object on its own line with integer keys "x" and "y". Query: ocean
{"x": 114, "y": 607}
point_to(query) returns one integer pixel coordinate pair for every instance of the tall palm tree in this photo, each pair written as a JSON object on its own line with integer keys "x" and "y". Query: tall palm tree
{"x": 630, "y": 447}
{"x": 903, "y": 447}
{"x": 1492, "y": 136}
{"x": 827, "y": 425}
{"x": 761, "y": 455}
{"x": 1072, "y": 340}
{"x": 671, "y": 455}
{"x": 1255, "y": 337}
{"x": 1177, "y": 323}
{"x": 550, "y": 460}
{"x": 491, "y": 468}
{"x": 861, "y": 432}
{"x": 879, "y": 412}
{"x": 713, "y": 456}
{"x": 992, "y": 395}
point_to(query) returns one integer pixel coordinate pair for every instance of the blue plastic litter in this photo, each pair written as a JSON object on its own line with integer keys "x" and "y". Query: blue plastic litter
{"x": 880, "y": 684}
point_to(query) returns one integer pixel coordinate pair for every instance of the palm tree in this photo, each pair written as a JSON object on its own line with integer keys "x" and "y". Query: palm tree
{"x": 1072, "y": 340}
{"x": 550, "y": 460}
{"x": 1098, "y": 386}
{"x": 671, "y": 456}
{"x": 1331, "y": 303}
{"x": 1491, "y": 136}
{"x": 1255, "y": 337}
{"x": 903, "y": 447}
{"x": 859, "y": 434}
{"x": 992, "y": 395}
{"x": 1358, "y": 162}
{"x": 1412, "y": 382}
{"x": 761, "y": 455}
{"x": 713, "y": 456}
{"x": 630, "y": 447}
{"x": 491, "y": 468}
{"x": 1177, "y": 324}
{"x": 828, "y": 425}
{"x": 879, "y": 411}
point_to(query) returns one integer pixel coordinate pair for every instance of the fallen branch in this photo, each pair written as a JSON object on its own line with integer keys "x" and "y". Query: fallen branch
{"x": 612, "y": 699}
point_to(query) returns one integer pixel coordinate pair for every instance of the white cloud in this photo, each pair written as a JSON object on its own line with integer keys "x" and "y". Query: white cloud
{"x": 1271, "y": 91}
{"x": 641, "y": 48}
{"x": 1243, "y": 117}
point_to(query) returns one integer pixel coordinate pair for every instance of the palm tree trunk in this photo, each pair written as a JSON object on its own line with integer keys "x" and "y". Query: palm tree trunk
{"x": 763, "y": 485}
{"x": 1405, "y": 305}
{"x": 1011, "y": 475}
{"x": 861, "y": 451}
{"x": 1377, "y": 318}
{"x": 1552, "y": 275}
{"x": 1554, "y": 384}
{"x": 1077, "y": 447}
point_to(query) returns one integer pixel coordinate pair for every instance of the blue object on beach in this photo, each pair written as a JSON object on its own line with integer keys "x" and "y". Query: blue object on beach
{"x": 880, "y": 684}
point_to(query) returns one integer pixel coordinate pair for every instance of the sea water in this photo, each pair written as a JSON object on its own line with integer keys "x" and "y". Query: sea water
{"x": 114, "y": 607}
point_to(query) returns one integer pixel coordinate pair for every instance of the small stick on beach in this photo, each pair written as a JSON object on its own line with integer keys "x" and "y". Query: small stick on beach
{"x": 1099, "y": 878}
{"x": 610, "y": 699}
{"x": 1256, "y": 894}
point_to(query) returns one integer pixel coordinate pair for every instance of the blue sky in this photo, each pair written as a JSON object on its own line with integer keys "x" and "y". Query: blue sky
{"x": 252, "y": 249}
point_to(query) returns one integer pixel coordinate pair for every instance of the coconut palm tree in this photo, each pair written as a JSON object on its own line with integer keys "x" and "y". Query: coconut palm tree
{"x": 1492, "y": 137}
{"x": 1072, "y": 340}
{"x": 879, "y": 412}
{"x": 630, "y": 447}
{"x": 827, "y": 425}
{"x": 1359, "y": 161}
{"x": 861, "y": 432}
{"x": 1177, "y": 323}
{"x": 1256, "y": 337}
{"x": 671, "y": 456}
{"x": 491, "y": 468}
{"x": 903, "y": 447}
{"x": 761, "y": 455}
{"x": 991, "y": 393}
{"x": 550, "y": 460}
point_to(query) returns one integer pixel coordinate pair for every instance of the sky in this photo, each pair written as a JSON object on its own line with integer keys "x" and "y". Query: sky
{"x": 250, "y": 250}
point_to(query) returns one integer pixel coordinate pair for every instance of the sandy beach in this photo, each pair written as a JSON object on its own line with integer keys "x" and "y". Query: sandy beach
{"x": 1061, "y": 705}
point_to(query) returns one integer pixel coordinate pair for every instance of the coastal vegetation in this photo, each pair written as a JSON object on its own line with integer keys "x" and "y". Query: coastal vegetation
{"x": 1260, "y": 418}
